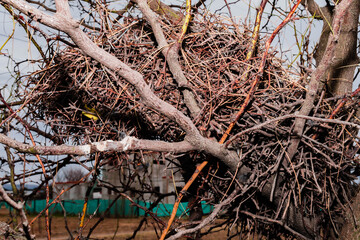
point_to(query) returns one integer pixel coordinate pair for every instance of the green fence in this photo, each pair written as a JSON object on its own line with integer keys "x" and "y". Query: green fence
{"x": 121, "y": 207}
{"x": 164, "y": 210}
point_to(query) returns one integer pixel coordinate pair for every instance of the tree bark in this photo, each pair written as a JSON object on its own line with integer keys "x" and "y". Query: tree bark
{"x": 340, "y": 75}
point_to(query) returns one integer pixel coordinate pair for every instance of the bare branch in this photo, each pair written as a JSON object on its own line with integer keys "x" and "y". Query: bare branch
{"x": 208, "y": 219}
{"x": 62, "y": 8}
{"x": 318, "y": 75}
{"x": 170, "y": 53}
{"x": 313, "y": 8}
{"x": 258, "y": 126}
{"x": 36, "y": 14}
{"x": 20, "y": 208}
{"x": 128, "y": 143}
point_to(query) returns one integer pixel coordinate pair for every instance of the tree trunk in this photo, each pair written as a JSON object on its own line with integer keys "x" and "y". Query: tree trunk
{"x": 340, "y": 77}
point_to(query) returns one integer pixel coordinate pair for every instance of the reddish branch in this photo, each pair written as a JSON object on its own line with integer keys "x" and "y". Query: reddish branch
{"x": 180, "y": 196}
{"x": 343, "y": 101}
{"x": 339, "y": 106}
{"x": 260, "y": 72}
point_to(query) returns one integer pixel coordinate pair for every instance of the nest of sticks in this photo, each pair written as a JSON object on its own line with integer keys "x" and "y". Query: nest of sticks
{"x": 320, "y": 178}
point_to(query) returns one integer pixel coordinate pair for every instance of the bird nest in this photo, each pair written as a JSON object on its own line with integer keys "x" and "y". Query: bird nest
{"x": 84, "y": 101}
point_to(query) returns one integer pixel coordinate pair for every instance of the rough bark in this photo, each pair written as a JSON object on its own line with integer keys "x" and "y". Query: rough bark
{"x": 328, "y": 59}
{"x": 340, "y": 75}
{"x": 170, "y": 52}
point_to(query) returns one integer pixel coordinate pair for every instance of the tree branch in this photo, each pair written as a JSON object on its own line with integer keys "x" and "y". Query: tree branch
{"x": 170, "y": 52}
{"x": 20, "y": 208}
{"x": 127, "y": 144}
{"x": 214, "y": 214}
{"x": 316, "y": 81}
{"x": 313, "y": 8}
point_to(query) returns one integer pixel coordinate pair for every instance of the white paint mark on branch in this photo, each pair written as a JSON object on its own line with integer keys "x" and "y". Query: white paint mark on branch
{"x": 103, "y": 146}
{"x": 85, "y": 148}
{"x": 127, "y": 141}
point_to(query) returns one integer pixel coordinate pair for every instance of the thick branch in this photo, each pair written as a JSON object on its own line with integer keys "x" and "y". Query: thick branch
{"x": 128, "y": 143}
{"x": 170, "y": 52}
{"x": 313, "y": 8}
{"x": 316, "y": 78}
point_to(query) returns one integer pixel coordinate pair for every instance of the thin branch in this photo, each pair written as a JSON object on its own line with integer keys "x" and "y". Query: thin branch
{"x": 211, "y": 218}
{"x": 260, "y": 71}
{"x": 305, "y": 117}
{"x": 181, "y": 195}
{"x": 20, "y": 208}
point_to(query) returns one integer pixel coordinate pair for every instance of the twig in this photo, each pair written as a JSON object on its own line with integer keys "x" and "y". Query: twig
{"x": 259, "y": 126}
{"x": 208, "y": 219}
{"x": 260, "y": 72}
{"x": 180, "y": 196}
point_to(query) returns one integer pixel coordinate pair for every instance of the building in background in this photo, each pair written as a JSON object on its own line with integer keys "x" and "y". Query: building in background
{"x": 160, "y": 175}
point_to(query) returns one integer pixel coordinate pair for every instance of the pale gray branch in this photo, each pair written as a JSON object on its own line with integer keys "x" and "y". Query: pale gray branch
{"x": 19, "y": 207}
{"x": 35, "y": 14}
{"x": 170, "y": 52}
{"x": 62, "y": 8}
{"x": 127, "y": 144}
